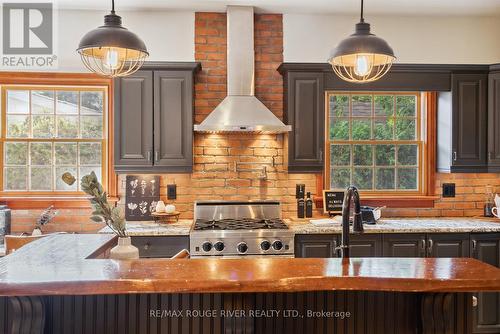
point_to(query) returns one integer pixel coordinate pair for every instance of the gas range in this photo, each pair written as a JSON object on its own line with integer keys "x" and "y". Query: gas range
{"x": 237, "y": 229}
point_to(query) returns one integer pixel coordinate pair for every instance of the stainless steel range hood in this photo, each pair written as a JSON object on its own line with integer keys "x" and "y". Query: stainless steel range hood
{"x": 241, "y": 111}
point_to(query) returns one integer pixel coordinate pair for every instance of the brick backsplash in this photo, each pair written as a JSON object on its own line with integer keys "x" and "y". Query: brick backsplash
{"x": 217, "y": 174}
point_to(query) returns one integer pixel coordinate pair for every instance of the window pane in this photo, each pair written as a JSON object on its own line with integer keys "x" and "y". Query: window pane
{"x": 91, "y": 126}
{"x": 41, "y": 178}
{"x": 362, "y": 105}
{"x": 16, "y": 153}
{"x": 361, "y": 129}
{"x": 406, "y": 105}
{"x": 60, "y": 184}
{"x": 42, "y": 102}
{"x": 341, "y": 178}
{"x": 384, "y": 178}
{"x": 362, "y": 155}
{"x": 18, "y": 102}
{"x": 41, "y": 153}
{"x": 65, "y": 153}
{"x": 90, "y": 154}
{"x": 385, "y": 155}
{"x": 384, "y": 105}
{"x": 383, "y": 129}
{"x": 67, "y": 102}
{"x": 17, "y": 126}
{"x": 87, "y": 170}
{"x": 339, "y": 105}
{"x": 339, "y": 129}
{"x": 67, "y": 126}
{"x": 92, "y": 102}
{"x": 362, "y": 178}
{"x": 43, "y": 126}
{"x": 407, "y": 178}
{"x": 405, "y": 129}
{"x": 15, "y": 178}
{"x": 340, "y": 155}
{"x": 407, "y": 154}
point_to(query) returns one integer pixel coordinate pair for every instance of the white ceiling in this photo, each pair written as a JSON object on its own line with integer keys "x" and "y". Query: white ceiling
{"x": 404, "y": 7}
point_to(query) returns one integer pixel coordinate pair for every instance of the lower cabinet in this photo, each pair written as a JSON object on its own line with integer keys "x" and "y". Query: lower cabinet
{"x": 448, "y": 245}
{"x": 365, "y": 245}
{"x": 486, "y": 247}
{"x": 160, "y": 246}
{"x": 316, "y": 245}
{"x": 404, "y": 245}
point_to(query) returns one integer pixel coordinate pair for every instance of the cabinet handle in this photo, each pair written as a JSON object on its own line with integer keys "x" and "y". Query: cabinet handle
{"x": 335, "y": 249}
{"x": 146, "y": 246}
{"x": 454, "y": 155}
{"x": 489, "y": 155}
{"x": 320, "y": 154}
{"x": 149, "y": 156}
{"x": 156, "y": 155}
{"x": 431, "y": 243}
{"x": 423, "y": 245}
{"x": 474, "y": 245}
{"x": 474, "y": 301}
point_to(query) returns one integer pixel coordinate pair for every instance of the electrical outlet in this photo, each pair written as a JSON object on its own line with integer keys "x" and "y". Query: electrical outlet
{"x": 171, "y": 191}
{"x": 448, "y": 189}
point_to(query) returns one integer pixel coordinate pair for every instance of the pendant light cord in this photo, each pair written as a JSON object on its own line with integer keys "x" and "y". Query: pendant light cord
{"x": 362, "y": 19}
{"x": 113, "y": 6}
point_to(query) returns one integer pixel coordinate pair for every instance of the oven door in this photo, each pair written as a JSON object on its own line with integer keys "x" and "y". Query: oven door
{"x": 241, "y": 256}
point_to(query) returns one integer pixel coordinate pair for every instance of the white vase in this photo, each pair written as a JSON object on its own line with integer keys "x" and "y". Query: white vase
{"x": 36, "y": 231}
{"x": 124, "y": 250}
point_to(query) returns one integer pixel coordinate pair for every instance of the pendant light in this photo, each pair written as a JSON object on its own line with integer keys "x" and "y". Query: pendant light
{"x": 112, "y": 50}
{"x": 362, "y": 57}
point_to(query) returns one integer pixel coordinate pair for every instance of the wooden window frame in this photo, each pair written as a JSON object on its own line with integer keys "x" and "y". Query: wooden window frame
{"x": 35, "y": 200}
{"x": 397, "y": 199}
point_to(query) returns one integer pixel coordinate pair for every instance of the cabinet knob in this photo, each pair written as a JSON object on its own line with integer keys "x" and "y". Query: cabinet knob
{"x": 146, "y": 246}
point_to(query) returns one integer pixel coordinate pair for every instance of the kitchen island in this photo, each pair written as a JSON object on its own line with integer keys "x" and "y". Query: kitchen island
{"x": 62, "y": 284}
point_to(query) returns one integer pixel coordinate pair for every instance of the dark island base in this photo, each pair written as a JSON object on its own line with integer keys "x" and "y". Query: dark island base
{"x": 307, "y": 312}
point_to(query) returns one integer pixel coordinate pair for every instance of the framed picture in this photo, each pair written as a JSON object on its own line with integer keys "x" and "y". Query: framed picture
{"x": 142, "y": 194}
{"x": 332, "y": 201}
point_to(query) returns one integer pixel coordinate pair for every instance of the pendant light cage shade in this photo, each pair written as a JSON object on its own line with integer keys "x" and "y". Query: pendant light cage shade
{"x": 111, "y": 50}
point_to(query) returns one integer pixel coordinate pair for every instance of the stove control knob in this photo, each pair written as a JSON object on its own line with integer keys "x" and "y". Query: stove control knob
{"x": 242, "y": 247}
{"x": 219, "y": 246}
{"x": 277, "y": 245}
{"x": 265, "y": 245}
{"x": 207, "y": 246}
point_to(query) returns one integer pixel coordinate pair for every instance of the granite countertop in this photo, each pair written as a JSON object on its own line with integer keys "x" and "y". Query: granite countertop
{"x": 182, "y": 227}
{"x": 404, "y": 225}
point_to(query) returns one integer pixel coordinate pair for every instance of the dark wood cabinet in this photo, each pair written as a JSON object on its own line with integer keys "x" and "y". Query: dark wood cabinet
{"x": 160, "y": 246}
{"x": 448, "y": 245}
{"x": 133, "y": 114}
{"x": 153, "y": 114}
{"x": 316, "y": 245}
{"x": 486, "y": 247}
{"x": 469, "y": 119}
{"x": 304, "y": 101}
{"x": 365, "y": 245}
{"x": 494, "y": 122}
{"x": 404, "y": 245}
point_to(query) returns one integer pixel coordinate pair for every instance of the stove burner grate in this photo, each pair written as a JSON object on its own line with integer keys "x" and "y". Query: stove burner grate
{"x": 239, "y": 224}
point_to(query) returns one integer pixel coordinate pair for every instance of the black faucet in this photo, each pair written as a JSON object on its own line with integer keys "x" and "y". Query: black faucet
{"x": 357, "y": 225}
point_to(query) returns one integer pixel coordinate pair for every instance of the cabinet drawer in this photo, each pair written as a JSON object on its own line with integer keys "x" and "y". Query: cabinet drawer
{"x": 161, "y": 246}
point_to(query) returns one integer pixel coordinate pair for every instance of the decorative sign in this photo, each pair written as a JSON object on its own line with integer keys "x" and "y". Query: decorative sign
{"x": 142, "y": 194}
{"x": 332, "y": 201}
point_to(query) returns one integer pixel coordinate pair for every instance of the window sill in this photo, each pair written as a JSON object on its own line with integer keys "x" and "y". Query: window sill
{"x": 42, "y": 202}
{"x": 391, "y": 201}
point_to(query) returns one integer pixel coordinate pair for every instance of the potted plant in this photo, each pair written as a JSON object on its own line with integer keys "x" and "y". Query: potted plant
{"x": 113, "y": 217}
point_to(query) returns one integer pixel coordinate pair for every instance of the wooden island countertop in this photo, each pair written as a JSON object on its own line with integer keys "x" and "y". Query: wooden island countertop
{"x": 65, "y": 265}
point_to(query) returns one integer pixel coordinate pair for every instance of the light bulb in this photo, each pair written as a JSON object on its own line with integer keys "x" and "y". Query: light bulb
{"x": 362, "y": 66}
{"x": 111, "y": 59}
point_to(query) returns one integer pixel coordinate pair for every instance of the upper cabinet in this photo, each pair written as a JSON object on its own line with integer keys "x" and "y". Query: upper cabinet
{"x": 153, "y": 119}
{"x": 305, "y": 105}
{"x": 494, "y": 121}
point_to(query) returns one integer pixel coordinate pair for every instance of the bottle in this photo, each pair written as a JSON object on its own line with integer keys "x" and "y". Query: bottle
{"x": 309, "y": 206}
{"x": 489, "y": 202}
{"x": 301, "y": 207}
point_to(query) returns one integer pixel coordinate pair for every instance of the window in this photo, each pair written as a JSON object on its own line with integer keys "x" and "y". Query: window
{"x": 375, "y": 142}
{"x": 48, "y": 131}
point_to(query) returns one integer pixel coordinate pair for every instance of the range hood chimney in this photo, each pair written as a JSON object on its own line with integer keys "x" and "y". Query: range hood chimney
{"x": 241, "y": 111}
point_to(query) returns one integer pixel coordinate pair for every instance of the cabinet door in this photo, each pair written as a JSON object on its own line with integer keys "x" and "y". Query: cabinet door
{"x": 448, "y": 245}
{"x": 162, "y": 247}
{"x": 494, "y": 121}
{"x": 305, "y": 105}
{"x": 173, "y": 120}
{"x": 486, "y": 247}
{"x": 469, "y": 113}
{"x": 403, "y": 245}
{"x": 315, "y": 245}
{"x": 133, "y": 126}
{"x": 365, "y": 245}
